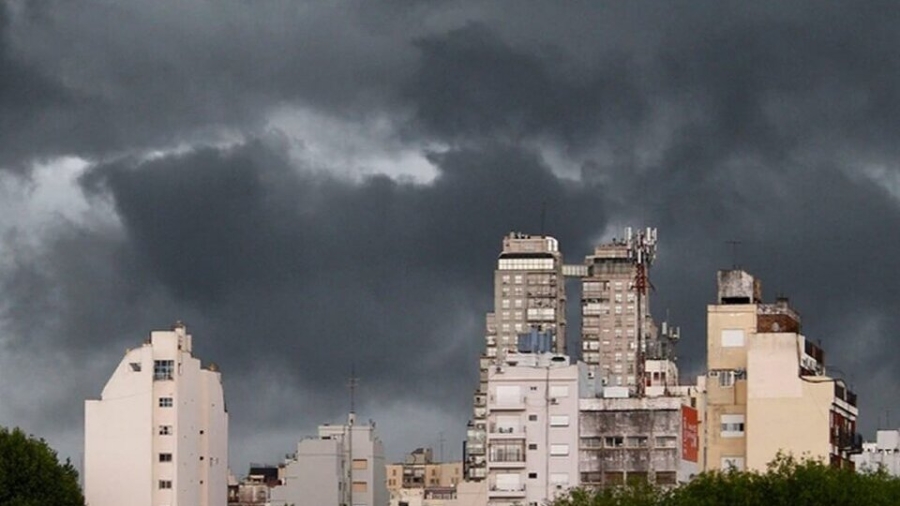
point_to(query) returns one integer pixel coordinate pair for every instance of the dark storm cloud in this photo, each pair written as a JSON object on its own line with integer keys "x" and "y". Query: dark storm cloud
{"x": 306, "y": 269}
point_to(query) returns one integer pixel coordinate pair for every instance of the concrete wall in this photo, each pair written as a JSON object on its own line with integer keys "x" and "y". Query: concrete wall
{"x": 784, "y": 413}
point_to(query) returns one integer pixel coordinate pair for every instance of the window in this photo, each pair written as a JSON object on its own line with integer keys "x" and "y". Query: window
{"x": 165, "y": 402}
{"x": 163, "y": 370}
{"x": 636, "y": 441}
{"x": 613, "y": 442}
{"x": 559, "y": 391}
{"x": 165, "y": 457}
{"x": 736, "y": 463}
{"x": 135, "y": 366}
{"x": 360, "y": 464}
{"x": 360, "y": 486}
{"x": 726, "y": 378}
{"x": 165, "y": 430}
{"x": 559, "y": 479}
{"x": 732, "y": 426}
{"x": 666, "y": 441}
{"x": 165, "y": 484}
{"x": 532, "y": 476}
{"x": 532, "y": 446}
{"x": 559, "y": 450}
{"x": 732, "y": 338}
{"x": 559, "y": 420}
{"x": 532, "y": 418}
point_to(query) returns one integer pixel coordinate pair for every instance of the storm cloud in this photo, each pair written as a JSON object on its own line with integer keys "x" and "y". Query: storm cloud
{"x": 316, "y": 188}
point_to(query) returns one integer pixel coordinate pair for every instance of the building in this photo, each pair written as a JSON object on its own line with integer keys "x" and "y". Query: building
{"x": 532, "y": 436}
{"x": 766, "y": 387}
{"x": 159, "y": 432}
{"x": 419, "y": 471}
{"x": 617, "y": 330}
{"x": 529, "y": 294}
{"x": 255, "y": 488}
{"x": 884, "y": 454}
{"x": 652, "y": 439}
{"x": 342, "y": 466}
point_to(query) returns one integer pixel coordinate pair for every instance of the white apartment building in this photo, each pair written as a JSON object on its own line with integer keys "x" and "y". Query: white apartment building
{"x": 532, "y": 429}
{"x": 884, "y": 453}
{"x": 342, "y": 466}
{"x": 158, "y": 435}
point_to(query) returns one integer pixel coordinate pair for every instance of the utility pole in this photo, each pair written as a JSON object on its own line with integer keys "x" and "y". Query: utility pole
{"x": 351, "y": 421}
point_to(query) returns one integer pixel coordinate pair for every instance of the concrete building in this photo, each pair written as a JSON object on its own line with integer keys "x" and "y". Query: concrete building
{"x": 617, "y": 330}
{"x": 766, "y": 387}
{"x": 158, "y": 435}
{"x": 254, "y": 489}
{"x": 532, "y": 437}
{"x": 342, "y": 466}
{"x": 884, "y": 453}
{"x": 653, "y": 439}
{"x": 420, "y": 471}
{"x": 529, "y": 294}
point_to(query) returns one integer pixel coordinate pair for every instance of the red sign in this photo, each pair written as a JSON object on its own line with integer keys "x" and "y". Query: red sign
{"x": 690, "y": 434}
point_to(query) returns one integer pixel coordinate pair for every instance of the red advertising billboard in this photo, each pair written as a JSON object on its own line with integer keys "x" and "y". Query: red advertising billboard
{"x": 690, "y": 434}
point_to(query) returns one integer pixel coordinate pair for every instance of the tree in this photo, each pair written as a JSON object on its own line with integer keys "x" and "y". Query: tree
{"x": 787, "y": 481}
{"x": 31, "y": 474}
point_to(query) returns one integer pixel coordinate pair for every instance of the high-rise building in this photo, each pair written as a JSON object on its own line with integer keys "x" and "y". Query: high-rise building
{"x": 159, "y": 432}
{"x": 342, "y": 466}
{"x": 618, "y": 332}
{"x": 529, "y": 295}
{"x": 766, "y": 387}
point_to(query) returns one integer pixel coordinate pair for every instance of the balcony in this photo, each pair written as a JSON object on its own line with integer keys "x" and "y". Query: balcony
{"x": 507, "y": 404}
{"x": 507, "y": 491}
{"x": 506, "y": 432}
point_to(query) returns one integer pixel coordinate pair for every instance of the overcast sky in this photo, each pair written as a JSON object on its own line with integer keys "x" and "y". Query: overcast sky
{"x": 313, "y": 185}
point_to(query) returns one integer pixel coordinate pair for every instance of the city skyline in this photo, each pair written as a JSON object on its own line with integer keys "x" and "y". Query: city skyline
{"x": 308, "y": 203}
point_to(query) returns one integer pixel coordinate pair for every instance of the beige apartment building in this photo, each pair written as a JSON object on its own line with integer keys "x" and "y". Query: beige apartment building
{"x": 766, "y": 386}
{"x": 419, "y": 471}
{"x": 612, "y": 313}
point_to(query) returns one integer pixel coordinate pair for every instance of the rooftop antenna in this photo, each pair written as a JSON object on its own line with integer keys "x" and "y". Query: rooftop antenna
{"x": 352, "y": 384}
{"x": 441, "y": 443}
{"x": 734, "y": 252}
{"x": 543, "y": 215}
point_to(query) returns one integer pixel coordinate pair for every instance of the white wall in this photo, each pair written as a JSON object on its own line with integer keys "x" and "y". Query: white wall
{"x": 123, "y": 442}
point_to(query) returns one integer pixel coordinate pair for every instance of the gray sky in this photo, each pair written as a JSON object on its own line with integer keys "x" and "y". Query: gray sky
{"x": 311, "y": 185}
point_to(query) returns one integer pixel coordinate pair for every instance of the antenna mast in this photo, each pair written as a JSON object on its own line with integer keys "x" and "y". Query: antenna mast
{"x": 642, "y": 248}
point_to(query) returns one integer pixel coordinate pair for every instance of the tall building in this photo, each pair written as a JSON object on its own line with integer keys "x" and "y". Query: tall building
{"x": 342, "y": 466}
{"x": 532, "y": 437}
{"x": 766, "y": 386}
{"x": 618, "y": 332}
{"x": 529, "y": 295}
{"x": 158, "y": 435}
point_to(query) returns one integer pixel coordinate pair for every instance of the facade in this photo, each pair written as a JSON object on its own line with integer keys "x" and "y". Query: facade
{"x": 884, "y": 454}
{"x": 529, "y": 295}
{"x": 159, "y": 432}
{"x": 653, "y": 439}
{"x": 532, "y": 436}
{"x": 342, "y": 466}
{"x": 617, "y": 330}
{"x": 255, "y": 488}
{"x": 766, "y": 385}
{"x": 420, "y": 481}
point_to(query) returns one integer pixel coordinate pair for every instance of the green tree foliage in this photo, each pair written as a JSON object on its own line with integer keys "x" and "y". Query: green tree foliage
{"x": 31, "y": 475}
{"x": 787, "y": 482}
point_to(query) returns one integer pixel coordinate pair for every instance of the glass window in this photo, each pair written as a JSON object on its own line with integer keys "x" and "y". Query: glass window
{"x": 165, "y": 430}
{"x": 163, "y": 370}
{"x": 165, "y": 402}
{"x": 165, "y": 457}
{"x": 165, "y": 484}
